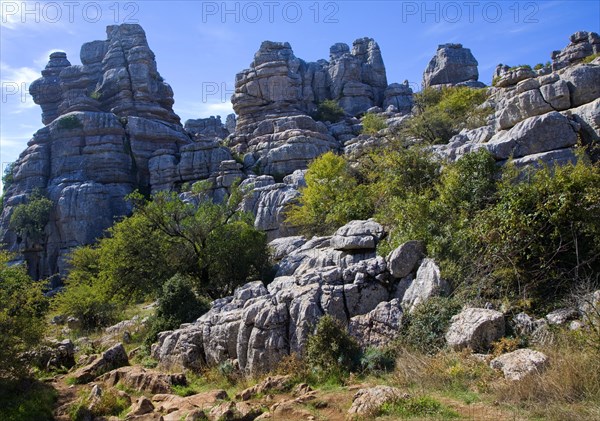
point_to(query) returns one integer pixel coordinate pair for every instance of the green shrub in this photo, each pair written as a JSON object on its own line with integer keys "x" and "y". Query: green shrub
{"x": 543, "y": 231}
{"x": 372, "y": 123}
{"x": 425, "y": 327}
{"x": 331, "y": 351}
{"x": 333, "y": 196}
{"x": 442, "y": 113}
{"x": 177, "y": 304}
{"x": 22, "y": 311}
{"x": 329, "y": 110}
{"x": 25, "y": 400}
{"x": 520, "y": 66}
{"x": 590, "y": 58}
{"x": 29, "y": 219}
{"x": 8, "y": 176}
{"x": 69, "y": 122}
{"x": 88, "y": 303}
{"x": 377, "y": 360}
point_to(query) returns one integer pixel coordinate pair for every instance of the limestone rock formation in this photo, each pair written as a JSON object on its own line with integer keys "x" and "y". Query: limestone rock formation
{"x": 276, "y": 95}
{"x": 538, "y": 116}
{"x": 452, "y": 65}
{"x": 257, "y": 326}
{"x": 110, "y": 129}
{"x": 582, "y": 45}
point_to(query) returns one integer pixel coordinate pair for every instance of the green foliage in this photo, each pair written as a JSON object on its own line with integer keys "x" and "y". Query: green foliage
{"x": 208, "y": 238}
{"x": 331, "y": 351}
{"x": 25, "y": 400}
{"x": 543, "y": 231}
{"x": 85, "y": 297}
{"x": 107, "y": 404}
{"x": 441, "y": 210}
{"x": 22, "y": 310}
{"x": 329, "y": 110}
{"x": 332, "y": 198}
{"x": 177, "y": 304}
{"x": 425, "y": 327}
{"x": 520, "y": 66}
{"x": 590, "y": 58}
{"x": 372, "y": 123}
{"x": 96, "y": 95}
{"x": 8, "y": 176}
{"x": 417, "y": 407}
{"x": 29, "y": 219}
{"x": 442, "y": 113}
{"x": 69, "y": 122}
{"x": 213, "y": 247}
{"x": 135, "y": 260}
{"x": 377, "y": 360}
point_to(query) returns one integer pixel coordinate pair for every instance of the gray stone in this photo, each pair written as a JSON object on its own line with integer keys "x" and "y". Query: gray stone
{"x": 475, "y": 328}
{"x": 402, "y": 260}
{"x": 428, "y": 283}
{"x": 534, "y": 135}
{"x": 451, "y": 65}
{"x": 367, "y": 402}
{"x": 379, "y": 327}
{"x": 562, "y": 316}
{"x": 518, "y": 364}
{"x": 357, "y": 235}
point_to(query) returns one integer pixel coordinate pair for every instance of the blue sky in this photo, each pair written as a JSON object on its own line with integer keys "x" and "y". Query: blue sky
{"x": 201, "y": 45}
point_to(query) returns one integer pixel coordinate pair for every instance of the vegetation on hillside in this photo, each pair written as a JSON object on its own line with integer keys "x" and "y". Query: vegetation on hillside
{"x": 497, "y": 233}
{"x": 213, "y": 246}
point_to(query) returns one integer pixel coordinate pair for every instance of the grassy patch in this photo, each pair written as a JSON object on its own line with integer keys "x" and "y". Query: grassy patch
{"x": 26, "y": 400}
{"x": 417, "y": 407}
{"x": 69, "y": 122}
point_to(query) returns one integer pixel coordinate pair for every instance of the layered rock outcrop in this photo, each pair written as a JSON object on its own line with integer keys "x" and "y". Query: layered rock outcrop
{"x": 539, "y": 117}
{"x": 452, "y": 65}
{"x": 275, "y": 97}
{"x": 583, "y": 44}
{"x": 339, "y": 275}
{"x": 108, "y": 123}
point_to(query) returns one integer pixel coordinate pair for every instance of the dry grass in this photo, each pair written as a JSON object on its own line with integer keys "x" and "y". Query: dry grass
{"x": 568, "y": 389}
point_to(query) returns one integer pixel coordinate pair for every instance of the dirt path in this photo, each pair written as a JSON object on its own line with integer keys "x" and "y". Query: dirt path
{"x": 67, "y": 394}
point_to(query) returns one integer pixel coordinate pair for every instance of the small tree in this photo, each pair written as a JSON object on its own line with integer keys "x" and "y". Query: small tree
{"x": 372, "y": 123}
{"x": 329, "y": 110}
{"x": 332, "y": 197}
{"x": 29, "y": 219}
{"x": 22, "y": 310}
{"x": 331, "y": 350}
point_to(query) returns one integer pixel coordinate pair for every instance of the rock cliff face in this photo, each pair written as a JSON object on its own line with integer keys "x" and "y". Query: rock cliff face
{"x": 108, "y": 123}
{"x": 275, "y": 96}
{"x": 540, "y": 115}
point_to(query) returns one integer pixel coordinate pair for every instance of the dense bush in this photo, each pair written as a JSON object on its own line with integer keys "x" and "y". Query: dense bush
{"x": 425, "y": 327}
{"x": 333, "y": 196}
{"x": 442, "y": 113}
{"x": 29, "y": 219}
{"x": 22, "y": 310}
{"x": 329, "y": 110}
{"x": 543, "y": 231}
{"x": 85, "y": 297}
{"x": 331, "y": 351}
{"x": 372, "y": 123}
{"x": 214, "y": 246}
{"x": 177, "y": 304}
